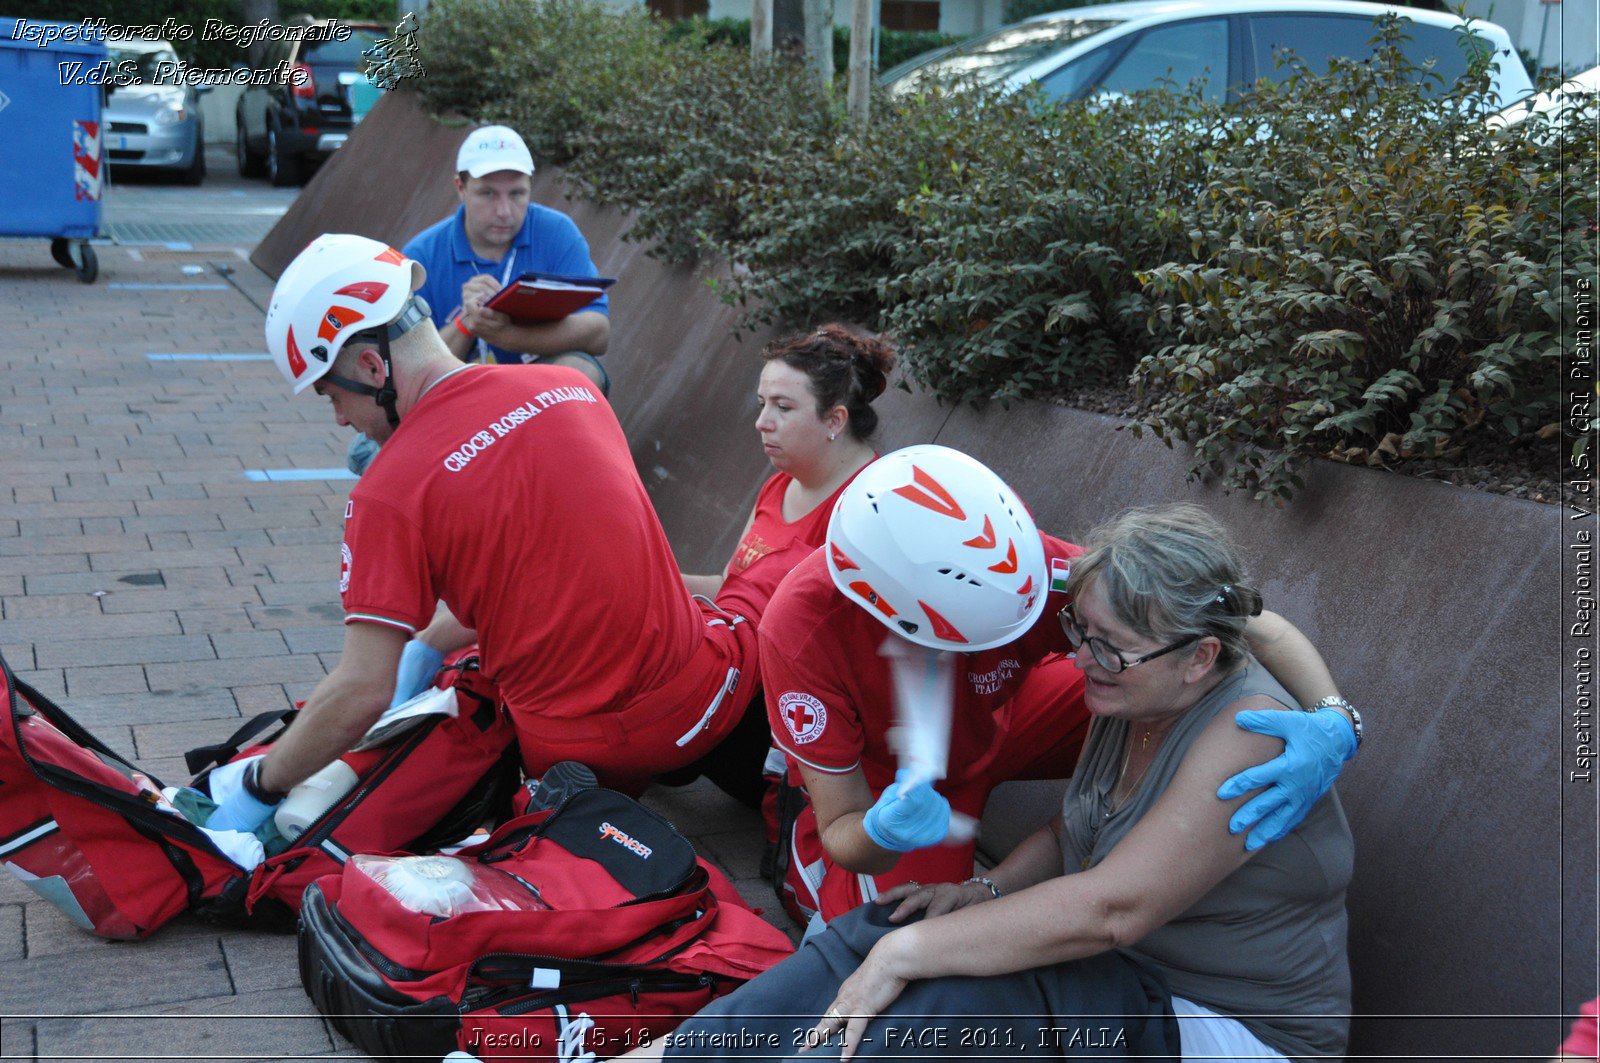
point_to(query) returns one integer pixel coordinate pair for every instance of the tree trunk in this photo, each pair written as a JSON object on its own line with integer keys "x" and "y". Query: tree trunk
{"x": 760, "y": 28}
{"x": 819, "y": 39}
{"x": 860, "y": 99}
{"x": 254, "y": 11}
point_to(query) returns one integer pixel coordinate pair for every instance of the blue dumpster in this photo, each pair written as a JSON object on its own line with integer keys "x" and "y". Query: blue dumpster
{"x": 51, "y": 169}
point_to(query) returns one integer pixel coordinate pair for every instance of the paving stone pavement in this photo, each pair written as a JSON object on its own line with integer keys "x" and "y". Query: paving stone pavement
{"x": 162, "y": 595}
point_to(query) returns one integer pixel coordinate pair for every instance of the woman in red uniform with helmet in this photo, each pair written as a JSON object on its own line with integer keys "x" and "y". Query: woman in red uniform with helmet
{"x": 930, "y": 548}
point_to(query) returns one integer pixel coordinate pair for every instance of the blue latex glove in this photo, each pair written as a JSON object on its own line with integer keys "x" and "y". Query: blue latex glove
{"x": 419, "y": 664}
{"x": 1316, "y": 745}
{"x": 919, "y": 819}
{"x": 236, "y": 809}
{"x": 359, "y": 454}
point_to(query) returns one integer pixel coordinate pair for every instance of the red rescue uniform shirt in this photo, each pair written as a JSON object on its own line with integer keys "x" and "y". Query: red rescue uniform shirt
{"x": 769, "y": 531}
{"x": 509, "y": 493}
{"x": 829, "y": 698}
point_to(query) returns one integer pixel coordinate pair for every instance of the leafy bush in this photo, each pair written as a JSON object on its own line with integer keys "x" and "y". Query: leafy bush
{"x": 1378, "y": 277}
{"x": 1350, "y": 265}
{"x": 550, "y": 69}
{"x": 1001, "y": 302}
{"x": 697, "y": 154}
{"x": 819, "y": 240}
{"x": 894, "y": 46}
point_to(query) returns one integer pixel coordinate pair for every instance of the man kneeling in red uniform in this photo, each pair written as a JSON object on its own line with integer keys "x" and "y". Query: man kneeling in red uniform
{"x": 507, "y": 493}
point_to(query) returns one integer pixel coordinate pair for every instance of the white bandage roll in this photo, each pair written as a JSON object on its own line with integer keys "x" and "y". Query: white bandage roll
{"x": 309, "y": 801}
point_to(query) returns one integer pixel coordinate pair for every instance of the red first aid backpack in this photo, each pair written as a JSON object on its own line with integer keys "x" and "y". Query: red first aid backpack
{"x": 615, "y": 933}
{"x": 90, "y": 833}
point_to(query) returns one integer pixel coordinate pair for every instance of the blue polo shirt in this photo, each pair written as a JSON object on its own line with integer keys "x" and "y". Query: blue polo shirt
{"x": 548, "y": 243}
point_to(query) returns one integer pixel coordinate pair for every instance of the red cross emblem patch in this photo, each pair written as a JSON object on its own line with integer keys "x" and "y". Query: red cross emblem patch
{"x": 803, "y": 716}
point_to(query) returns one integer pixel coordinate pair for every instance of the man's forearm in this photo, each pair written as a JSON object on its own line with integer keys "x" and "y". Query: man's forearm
{"x": 587, "y": 330}
{"x": 1291, "y": 658}
{"x": 445, "y": 633}
{"x": 459, "y": 342}
{"x": 338, "y": 713}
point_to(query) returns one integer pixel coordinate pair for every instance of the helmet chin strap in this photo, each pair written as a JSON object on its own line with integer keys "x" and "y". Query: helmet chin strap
{"x": 416, "y": 310}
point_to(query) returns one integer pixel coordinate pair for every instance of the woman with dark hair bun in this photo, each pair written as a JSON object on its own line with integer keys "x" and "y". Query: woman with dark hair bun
{"x": 816, "y": 420}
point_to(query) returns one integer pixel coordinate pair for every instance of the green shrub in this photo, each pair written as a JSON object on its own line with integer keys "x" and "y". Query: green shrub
{"x": 1373, "y": 275}
{"x": 1350, "y": 265}
{"x": 694, "y": 154}
{"x": 819, "y": 240}
{"x": 894, "y": 46}
{"x": 1020, "y": 281}
{"x": 550, "y": 69}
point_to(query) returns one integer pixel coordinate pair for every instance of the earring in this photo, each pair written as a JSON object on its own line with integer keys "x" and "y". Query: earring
{"x": 832, "y": 436}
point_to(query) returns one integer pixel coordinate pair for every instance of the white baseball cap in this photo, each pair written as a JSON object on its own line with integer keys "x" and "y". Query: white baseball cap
{"x": 492, "y": 149}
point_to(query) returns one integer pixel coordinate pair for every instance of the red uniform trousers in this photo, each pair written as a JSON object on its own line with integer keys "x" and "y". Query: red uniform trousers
{"x": 679, "y": 722}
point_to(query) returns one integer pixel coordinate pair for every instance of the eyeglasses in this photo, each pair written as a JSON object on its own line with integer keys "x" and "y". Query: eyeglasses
{"x": 1106, "y": 655}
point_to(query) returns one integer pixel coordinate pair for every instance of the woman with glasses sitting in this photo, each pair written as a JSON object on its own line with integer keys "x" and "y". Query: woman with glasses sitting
{"x": 929, "y": 552}
{"x": 1134, "y": 923}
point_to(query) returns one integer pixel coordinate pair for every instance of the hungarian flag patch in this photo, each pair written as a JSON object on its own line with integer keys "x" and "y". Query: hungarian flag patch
{"x": 1060, "y": 569}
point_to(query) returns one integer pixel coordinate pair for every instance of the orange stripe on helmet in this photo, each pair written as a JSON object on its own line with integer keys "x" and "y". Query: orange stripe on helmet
{"x": 942, "y": 627}
{"x": 335, "y": 320}
{"x": 366, "y": 291}
{"x": 297, "y": 361}
{"x": 1010, "y": 563}
{"x": 985, "y": 541}
{"x": 1027, "y": 586}
{"x": 929, "y": 493}
{"x": 840, "y": 561}
{"x": 391, "y": 256}
{"x": 863, "y": 588}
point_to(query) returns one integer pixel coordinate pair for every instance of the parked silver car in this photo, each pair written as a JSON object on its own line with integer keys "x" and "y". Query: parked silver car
{"x": 1110, "y": 49}
{"x": 151, "y": 117}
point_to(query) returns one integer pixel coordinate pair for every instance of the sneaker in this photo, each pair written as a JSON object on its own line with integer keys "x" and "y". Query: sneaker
{"x": 560, "y": 782}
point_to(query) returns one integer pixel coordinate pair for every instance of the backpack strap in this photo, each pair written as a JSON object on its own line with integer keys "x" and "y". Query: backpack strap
{"x": 201, "y": 758}
{"x": 664, "y": 942}
{"x": 57, "y": 716}
{"x": 141, "y": 815}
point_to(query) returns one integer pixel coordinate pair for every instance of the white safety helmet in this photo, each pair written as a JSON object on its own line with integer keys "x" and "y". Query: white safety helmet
{"x": 339, "y": 286}
{"x": 938, "y": 548}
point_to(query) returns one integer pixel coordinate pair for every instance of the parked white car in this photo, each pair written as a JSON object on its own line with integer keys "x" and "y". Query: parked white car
{"x": 152, "y": 117}
{"x": 1558, "y": 105}
{"x": 1111, "y": 49}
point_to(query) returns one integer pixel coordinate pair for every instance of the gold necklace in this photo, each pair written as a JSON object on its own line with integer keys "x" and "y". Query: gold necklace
{"x": 1111, "y": 803}
{"x": 1127, "y": 758}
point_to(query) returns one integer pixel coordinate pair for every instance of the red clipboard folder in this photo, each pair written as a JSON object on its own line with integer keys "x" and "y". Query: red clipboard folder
{"x": 547, "y": 296}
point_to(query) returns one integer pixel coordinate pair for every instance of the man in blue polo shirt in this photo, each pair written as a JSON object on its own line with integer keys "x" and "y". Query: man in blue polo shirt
{"x": 495, "y": 236}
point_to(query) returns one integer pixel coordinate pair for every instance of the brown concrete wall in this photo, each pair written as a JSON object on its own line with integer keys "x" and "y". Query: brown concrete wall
{"x": 1436, "y": 608}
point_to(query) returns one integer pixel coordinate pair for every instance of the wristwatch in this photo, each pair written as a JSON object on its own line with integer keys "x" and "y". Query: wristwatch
{"x": 252, "y": 786}
{"x": 1334, "y": 701}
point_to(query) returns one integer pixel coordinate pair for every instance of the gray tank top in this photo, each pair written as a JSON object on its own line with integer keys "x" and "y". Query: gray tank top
{"x": 1267, "y": 943}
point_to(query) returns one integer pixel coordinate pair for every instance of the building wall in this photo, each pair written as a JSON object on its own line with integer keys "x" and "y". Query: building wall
{"x": 955, "y": 16}
{"x": 965, "y": 17}
{"x": 217, "y": 107}
{"x": 1570, "y": 31}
